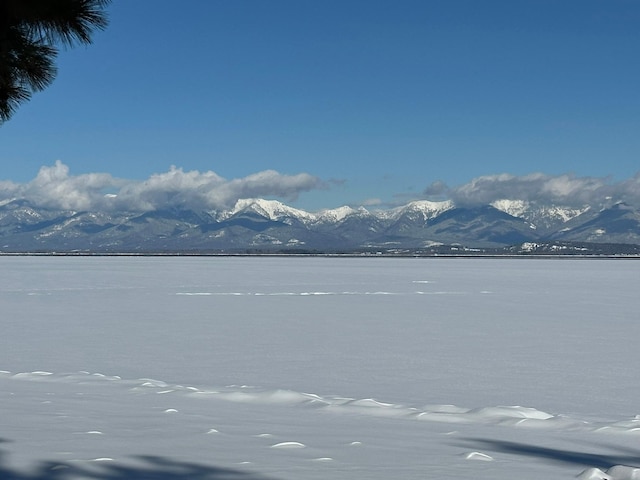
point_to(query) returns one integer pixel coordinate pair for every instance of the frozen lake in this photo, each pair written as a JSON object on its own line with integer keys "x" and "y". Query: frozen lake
{"x": 295, "y": 368}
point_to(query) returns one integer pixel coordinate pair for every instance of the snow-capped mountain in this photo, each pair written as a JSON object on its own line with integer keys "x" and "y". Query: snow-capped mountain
{"x": 271, "y": 209}
{"x": 543, "y": 217}
{"x": 415, "y": 209}
{"x": 268, "y": 225}
{"x": 617, "y": 224}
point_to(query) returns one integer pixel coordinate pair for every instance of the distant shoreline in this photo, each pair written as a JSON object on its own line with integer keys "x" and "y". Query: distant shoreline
{"x": 323, "y": 255}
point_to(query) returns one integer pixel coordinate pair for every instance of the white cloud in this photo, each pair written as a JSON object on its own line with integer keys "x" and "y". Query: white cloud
{"x": 371, "y": 202}
{"x": 8, "y": 189}
{"x": 565, "y": 189}
{"x": 267, "y": 183}
{"x": 54, "y": 187}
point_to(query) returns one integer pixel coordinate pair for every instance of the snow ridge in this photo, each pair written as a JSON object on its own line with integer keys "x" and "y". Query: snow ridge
{"x": 510, "y": 416}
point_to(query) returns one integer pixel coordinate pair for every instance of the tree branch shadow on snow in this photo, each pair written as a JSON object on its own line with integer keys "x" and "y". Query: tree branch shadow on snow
{"x": 151, "y": 468}
{"x": 558, "y": 455}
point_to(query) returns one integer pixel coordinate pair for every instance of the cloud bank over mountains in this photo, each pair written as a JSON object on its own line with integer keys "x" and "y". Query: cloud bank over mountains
{"x": 567, "y": 190}
{"x": 54, "y": 187}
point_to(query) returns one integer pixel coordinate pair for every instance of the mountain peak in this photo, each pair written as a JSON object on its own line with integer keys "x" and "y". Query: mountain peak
{"x": 271, "y": 209}
{"x": 340, "y": 213}
{"x": 515, "y": 208}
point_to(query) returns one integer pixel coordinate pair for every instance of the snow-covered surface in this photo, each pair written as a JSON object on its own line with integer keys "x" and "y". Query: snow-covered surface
{"x": 318, "y": 368}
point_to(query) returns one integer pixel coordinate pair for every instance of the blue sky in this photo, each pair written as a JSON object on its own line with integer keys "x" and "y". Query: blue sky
{"x": 375, "y": 100}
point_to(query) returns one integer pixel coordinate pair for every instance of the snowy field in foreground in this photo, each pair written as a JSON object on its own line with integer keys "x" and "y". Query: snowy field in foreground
{"x": 317, "y": 368}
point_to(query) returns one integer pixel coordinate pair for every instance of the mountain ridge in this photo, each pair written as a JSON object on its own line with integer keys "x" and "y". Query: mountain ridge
{"x": 269, "y": 225}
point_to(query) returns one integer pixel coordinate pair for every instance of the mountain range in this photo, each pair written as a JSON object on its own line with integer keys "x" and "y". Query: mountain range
{"x": 258, "y": 225}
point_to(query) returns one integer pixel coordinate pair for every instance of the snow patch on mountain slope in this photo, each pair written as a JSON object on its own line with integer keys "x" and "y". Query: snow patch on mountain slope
{"x": 427, "y": 208}
{"x": 6, "y": 201}
{"x": 339, "y": 214}
{"x": 532, "y": 212}
{"x": 515, "y": 208}
{"x": 563, "y": 213}
{"x": 271, "y": 209}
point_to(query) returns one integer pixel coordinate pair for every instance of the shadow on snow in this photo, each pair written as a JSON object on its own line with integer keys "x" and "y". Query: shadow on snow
{"x": 146, "y": 468}
{"x": 598, "y": 460}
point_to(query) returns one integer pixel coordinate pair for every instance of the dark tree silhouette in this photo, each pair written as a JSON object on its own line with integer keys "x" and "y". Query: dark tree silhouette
{"x": 30, "y": 30}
